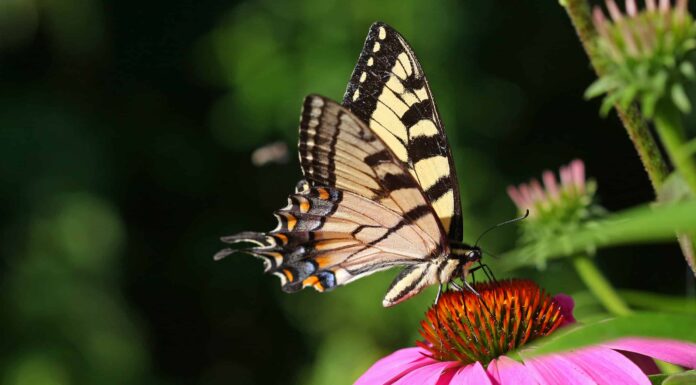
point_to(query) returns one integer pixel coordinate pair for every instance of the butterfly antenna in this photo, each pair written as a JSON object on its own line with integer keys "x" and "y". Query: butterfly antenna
{"x": 489, "y": 253}
{"x": 526, "y": 214}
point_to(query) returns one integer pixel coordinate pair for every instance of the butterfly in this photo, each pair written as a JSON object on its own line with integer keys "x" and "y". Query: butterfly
{"x": 379, "y": 188}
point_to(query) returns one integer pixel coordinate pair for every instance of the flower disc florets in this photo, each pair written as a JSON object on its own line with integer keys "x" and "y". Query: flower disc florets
{"x": 644, "y": 55}
{"x": 507, "y": 315}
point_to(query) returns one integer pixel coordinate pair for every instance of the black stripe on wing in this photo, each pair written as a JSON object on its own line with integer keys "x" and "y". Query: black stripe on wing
{"x": 389, "y": 91}
{"x": 339, "y": 150}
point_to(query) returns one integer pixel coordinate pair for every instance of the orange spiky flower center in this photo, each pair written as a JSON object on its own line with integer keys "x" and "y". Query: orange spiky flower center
{"x": 507, "y": 315}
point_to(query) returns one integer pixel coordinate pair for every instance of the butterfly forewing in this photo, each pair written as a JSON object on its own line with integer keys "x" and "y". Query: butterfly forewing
{"x": 388, "y": 91}
{"x": 339, "y": 150}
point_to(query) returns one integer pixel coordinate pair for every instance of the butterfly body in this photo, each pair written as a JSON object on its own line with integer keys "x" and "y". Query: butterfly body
{"x": 379, "y": 187}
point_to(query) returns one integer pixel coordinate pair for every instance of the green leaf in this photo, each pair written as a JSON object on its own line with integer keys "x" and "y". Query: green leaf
{"x": 608, "y": 103}
{"x": 687, "y": 69}
{"x": 652, "y": 325}
{"x": 680, "y": 99}
{"x": 683, "y": 378}
{"x": 628, "y": 95}
{"x": 656, "y": 379}
{"x": 639, "y": 225}
{"x": 648, "y": 104}
{"x": 600, "y": 86}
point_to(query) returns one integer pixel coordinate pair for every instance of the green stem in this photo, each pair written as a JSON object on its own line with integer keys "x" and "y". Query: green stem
{"x": 669, "y": 126}
{"x": 600, "y": 286}
{"x": 659, "y": 302}
{"x": 668, "y": 123}
{"x": 636, "y": 127}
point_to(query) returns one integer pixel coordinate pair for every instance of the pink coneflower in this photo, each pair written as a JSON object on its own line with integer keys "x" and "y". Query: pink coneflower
{"x": 557, "y": 207}
{"x": 467, "y": 340}
{"x": 571, "y": 193}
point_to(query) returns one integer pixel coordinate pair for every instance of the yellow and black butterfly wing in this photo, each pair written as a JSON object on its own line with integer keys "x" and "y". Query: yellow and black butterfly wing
{"x": 338, "y": 150}
{"x": 388, "y": 91}
{"x": 359, "y": 211}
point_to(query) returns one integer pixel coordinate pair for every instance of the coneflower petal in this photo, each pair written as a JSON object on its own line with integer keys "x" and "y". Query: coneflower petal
{"x": 506, "y": 371}
{"x": 599, "y": 20}
{"x": 631, "y": 8}
{"x": 614, "y": 11}
{"x": 608, "y": 367}
{"x": 395, "y": 366}
{"x": 550, "y": 183}
{"x": 664, "y": 5}
{"x": 675, "y": 352}
{"x": 577, "y": 168}
{"x": 517, "y": 198}
{"x": 558, "y": 370}
{"x": 473, "y": 374}
{"x": 426, "y": 375}
{"x": 650, "y": 4}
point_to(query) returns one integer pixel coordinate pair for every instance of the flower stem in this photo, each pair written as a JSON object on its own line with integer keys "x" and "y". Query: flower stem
{"x": 636, "y": 127}
{"x": 600, "y": 286}
{"x": 669, "y": 126}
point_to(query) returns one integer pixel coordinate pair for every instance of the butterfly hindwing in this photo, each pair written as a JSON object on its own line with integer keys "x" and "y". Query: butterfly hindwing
{"x": 388, "y": 90}
{"x": 326, "y": 237}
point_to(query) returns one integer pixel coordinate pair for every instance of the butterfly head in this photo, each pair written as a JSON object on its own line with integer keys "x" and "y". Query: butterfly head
{"x": 465, "y": 253}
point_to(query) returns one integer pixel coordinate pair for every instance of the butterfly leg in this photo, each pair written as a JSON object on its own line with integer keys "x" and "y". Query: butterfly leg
{"x": 486, "y": 270}
{"x": 439, "y": 292}
{"x": 455, "y": 286}
{"x": 471, "y": 288}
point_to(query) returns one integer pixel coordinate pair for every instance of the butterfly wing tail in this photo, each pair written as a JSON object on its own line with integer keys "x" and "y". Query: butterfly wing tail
{"x": 261, "y": 249}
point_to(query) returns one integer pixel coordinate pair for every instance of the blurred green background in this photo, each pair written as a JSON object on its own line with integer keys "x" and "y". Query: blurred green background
{"x": 126, "y": 134}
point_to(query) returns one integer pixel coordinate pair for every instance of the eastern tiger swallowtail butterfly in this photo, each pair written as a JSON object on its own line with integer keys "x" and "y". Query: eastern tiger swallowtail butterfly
{"x": 380, "y": 189}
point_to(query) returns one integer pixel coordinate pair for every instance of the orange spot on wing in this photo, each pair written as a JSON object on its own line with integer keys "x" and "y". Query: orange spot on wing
{"x": 311, "y": 281}
{"x": 292, "y": 221}
{"x": 323, "y": 260}
{"x": 323, "y": 194}
{"x": 288, "y": 275}
{"x": 319, "y": 287}
{"x": 282, "y": 237}
{"x": 304, "y": 206}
